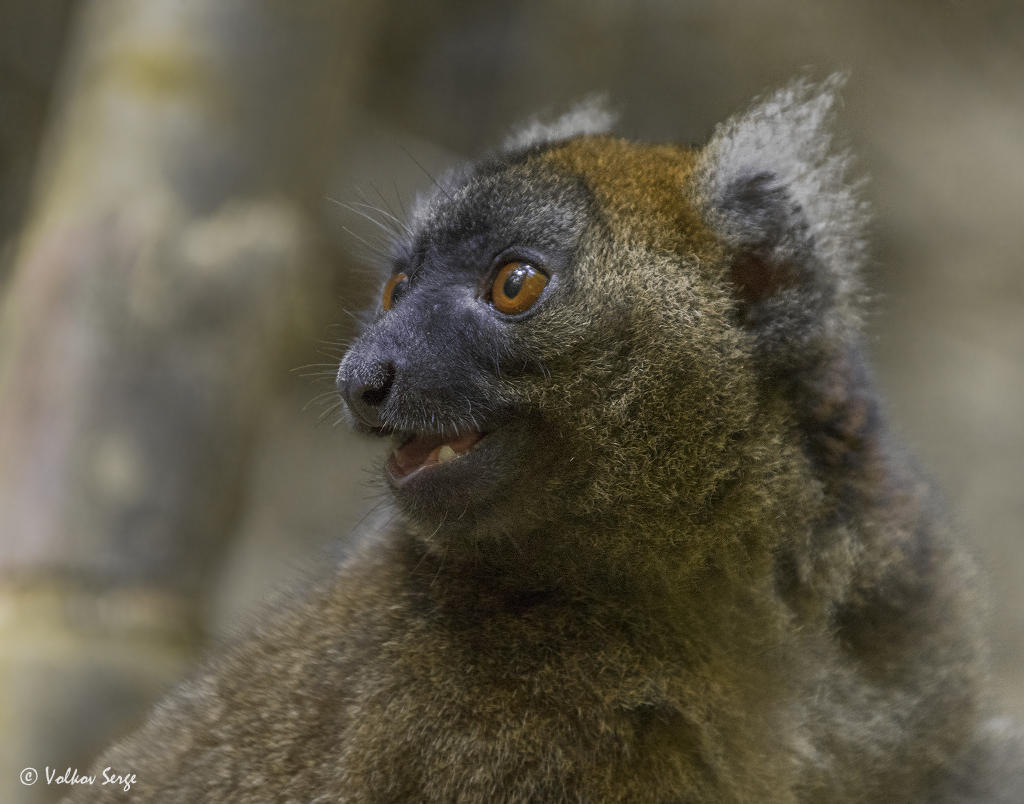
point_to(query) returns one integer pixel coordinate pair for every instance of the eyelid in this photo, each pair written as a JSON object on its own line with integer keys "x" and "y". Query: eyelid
{"x": 516, "y": 254}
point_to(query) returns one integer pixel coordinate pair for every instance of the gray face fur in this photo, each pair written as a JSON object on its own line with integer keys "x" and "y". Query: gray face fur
{"x": 459, "y": 365}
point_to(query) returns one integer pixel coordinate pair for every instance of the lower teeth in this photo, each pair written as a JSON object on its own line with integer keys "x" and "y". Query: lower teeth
{"x": 446, "y": 454}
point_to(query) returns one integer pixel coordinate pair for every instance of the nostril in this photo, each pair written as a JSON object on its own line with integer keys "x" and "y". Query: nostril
{"x": 365, "y": 387}
{"x": 374, "y": 392}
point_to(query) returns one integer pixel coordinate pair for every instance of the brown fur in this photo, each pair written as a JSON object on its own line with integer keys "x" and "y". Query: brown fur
{"x": 717, "y": 580}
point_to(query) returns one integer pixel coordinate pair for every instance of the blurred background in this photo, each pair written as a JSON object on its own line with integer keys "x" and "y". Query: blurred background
{"x": 182, "y": 254}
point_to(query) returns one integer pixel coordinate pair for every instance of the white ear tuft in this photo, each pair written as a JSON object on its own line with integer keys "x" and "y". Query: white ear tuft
{"x": 589, "y": 116}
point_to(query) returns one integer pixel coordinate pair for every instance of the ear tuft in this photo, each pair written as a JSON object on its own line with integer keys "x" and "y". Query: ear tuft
{"x": 589, "y": 116}
{"x": 775, "y": 188}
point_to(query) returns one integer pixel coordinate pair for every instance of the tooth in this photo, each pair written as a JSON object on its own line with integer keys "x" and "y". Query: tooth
{"x": 446, "y": 454}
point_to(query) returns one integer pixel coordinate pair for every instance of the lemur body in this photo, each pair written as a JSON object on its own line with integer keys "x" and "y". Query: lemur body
{"x": 654, "y": 543}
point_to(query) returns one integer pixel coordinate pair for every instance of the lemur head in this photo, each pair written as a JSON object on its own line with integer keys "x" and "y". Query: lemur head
{"x": 584, "y": 330}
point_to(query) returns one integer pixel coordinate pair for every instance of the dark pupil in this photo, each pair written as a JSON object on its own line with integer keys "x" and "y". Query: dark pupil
{"x": 398, "y": 291}
{"x": 514, "y": 282}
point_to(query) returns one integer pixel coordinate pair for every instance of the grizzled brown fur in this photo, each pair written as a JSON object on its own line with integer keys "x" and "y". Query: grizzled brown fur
{"x": 687, "y": 564}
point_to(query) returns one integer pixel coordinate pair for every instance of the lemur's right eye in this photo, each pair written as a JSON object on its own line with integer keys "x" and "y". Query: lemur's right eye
{"x": 393, "y": 290}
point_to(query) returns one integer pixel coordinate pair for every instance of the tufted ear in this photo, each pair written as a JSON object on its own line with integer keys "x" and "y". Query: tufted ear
{"x": 589, "y": 116}
{"x": 773, "y": 186}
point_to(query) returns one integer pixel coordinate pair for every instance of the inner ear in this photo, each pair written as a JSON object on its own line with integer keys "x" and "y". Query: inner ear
{"x": 768, "y": 233}
{"x": 757, "y": 277}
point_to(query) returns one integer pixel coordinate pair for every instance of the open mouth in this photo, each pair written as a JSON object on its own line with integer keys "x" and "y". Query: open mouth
{"x": 420, "y": 452}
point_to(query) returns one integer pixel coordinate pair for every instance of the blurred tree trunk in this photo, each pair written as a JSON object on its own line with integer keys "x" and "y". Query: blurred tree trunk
{"x": 31, "y": 39}
{"x": 169, "y": 257}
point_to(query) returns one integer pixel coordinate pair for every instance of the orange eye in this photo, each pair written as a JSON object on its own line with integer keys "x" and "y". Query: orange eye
{"x": 517, "y": 287}
{"x": 393, "y": 290}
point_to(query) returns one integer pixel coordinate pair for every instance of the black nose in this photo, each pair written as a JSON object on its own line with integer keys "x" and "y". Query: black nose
{"x": 366, "y": 389}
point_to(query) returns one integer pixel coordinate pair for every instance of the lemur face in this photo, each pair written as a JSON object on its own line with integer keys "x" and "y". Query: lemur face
{"x": 552, "y": 329}
{"x": 450, "y": 366}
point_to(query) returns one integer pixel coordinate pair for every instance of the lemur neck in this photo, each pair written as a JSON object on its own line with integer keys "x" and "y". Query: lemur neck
{"x": 647, "y": 552}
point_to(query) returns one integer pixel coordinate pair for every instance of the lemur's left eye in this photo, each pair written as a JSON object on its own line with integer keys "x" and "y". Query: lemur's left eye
{"x": 517, "y": 287}
{"x": 393, "y": 290}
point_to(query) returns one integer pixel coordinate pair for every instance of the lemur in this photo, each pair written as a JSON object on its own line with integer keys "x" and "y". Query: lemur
{"x": 653, "y": 542}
